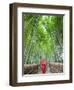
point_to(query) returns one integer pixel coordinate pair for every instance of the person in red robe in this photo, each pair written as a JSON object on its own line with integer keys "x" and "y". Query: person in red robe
{"x": 43, "y": 64}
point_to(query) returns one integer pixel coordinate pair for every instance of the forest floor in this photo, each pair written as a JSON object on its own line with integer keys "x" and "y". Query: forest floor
{"x": 50, "y": 68}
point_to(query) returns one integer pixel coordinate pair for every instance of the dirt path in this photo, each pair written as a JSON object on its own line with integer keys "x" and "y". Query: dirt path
{"x": 50, "y": 68}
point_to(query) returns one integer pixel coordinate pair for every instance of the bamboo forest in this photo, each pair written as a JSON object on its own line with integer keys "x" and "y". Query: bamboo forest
{"x": 43, "y": 43}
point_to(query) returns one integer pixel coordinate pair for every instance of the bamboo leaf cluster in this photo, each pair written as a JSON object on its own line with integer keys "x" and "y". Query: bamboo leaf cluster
{"x": 43, "y": 38}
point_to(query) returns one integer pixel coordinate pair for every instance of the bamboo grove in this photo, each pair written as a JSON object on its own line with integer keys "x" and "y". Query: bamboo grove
{"x": 43, "y": 38}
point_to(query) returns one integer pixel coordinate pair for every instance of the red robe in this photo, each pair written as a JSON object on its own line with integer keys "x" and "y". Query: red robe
{"x": 43, "y": 63}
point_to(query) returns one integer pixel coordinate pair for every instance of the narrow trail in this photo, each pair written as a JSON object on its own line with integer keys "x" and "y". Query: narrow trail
{"x": 50, "y": 68}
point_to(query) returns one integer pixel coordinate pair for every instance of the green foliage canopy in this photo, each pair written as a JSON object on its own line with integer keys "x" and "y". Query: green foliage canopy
{"x": 43, "y": 38}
